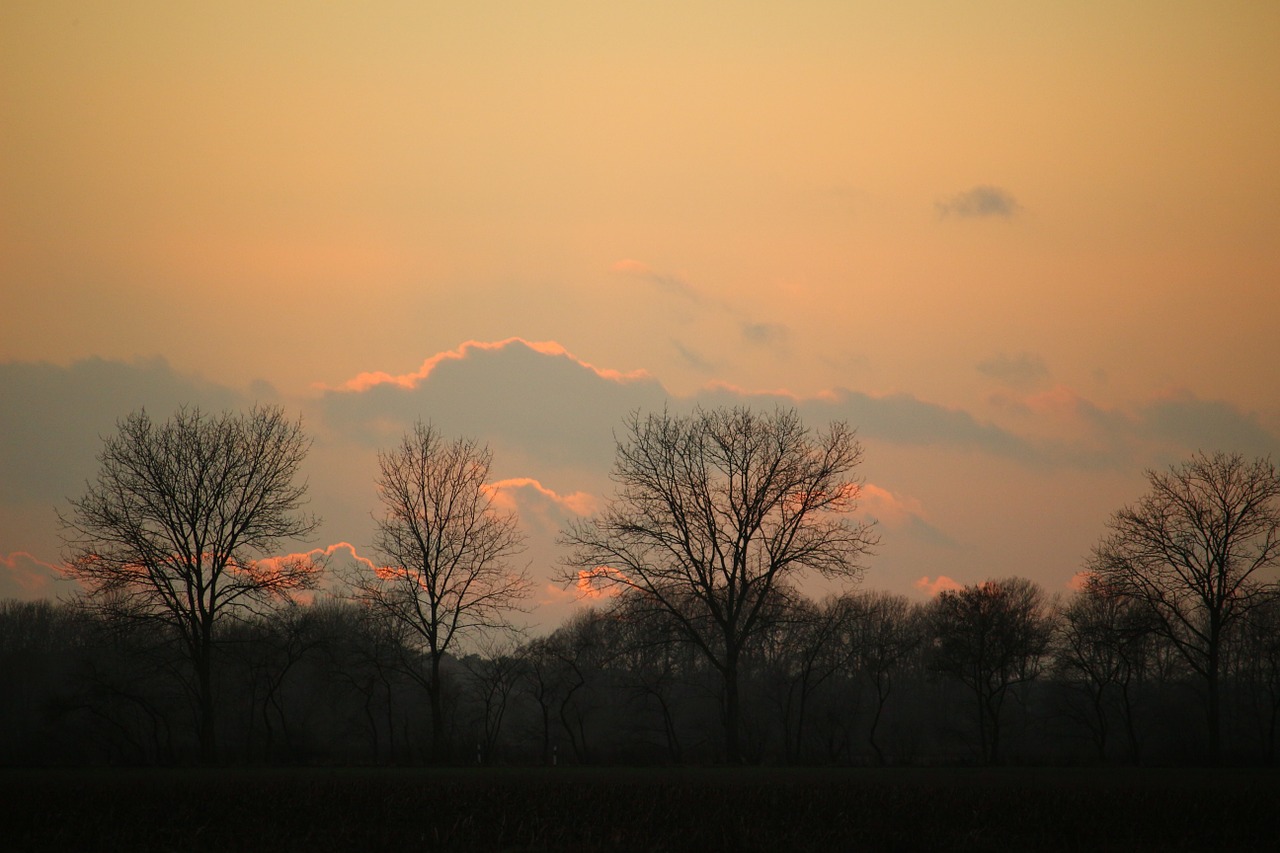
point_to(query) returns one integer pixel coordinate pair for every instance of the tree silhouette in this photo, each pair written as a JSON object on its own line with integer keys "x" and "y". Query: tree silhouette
{"x": 1198, "y": 549}
{"x": 445, "y": 548}
{"x": 169, "y": 532}
{"x": 1101, "y": 649}
{"x": 991, "y": 636}
{"x": 715, "y": 513}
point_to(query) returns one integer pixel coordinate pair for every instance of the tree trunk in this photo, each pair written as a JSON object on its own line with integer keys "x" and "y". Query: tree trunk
{"x": 436, "y": 697}
{"x": 1214, "y": 708}
{"x": 732, "y": 711}
{"x": 882, "y": 696}
{"x": 208, "y": 734}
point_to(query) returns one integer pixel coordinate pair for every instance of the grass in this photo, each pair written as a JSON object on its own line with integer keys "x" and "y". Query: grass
{"x": 670, "y": 809}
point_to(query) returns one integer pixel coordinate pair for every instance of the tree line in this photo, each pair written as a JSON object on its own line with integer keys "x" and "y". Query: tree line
{"x": 188, "y": 641}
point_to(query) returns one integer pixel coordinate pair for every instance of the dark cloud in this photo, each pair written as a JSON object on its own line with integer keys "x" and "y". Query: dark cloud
{"x": 981, "y": 201}
{"x": 554, "y": 406}
{"x": 896, "y": 419}
{"x": 765, "y": 334}
{"x": 1159, "y": 432}
{"x": 1194, "y": 424}
{"x": 549, "y": 406}
{"x": 1021, "y": 371}
{"x": 692, "y": 358}
{"x": 926, "y": 533}
{"x": 53, "y": 417}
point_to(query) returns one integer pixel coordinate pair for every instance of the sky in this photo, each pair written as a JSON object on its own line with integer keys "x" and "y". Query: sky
{"x": 1028, "y": 250}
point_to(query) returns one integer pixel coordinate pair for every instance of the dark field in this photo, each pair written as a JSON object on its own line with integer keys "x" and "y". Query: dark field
{"x": 651, "y": 809}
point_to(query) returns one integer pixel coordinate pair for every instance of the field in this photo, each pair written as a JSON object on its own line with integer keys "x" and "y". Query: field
{"x": 510, "y": 809}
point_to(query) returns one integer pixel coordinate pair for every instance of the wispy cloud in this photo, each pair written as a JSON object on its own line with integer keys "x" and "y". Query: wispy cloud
{"x": 1024, "y": 370}
{"x": 664, "y": 281}
{"x": 692, "y": 358}
{"x": 23, "y": 576}
{"x": 979, "y": 202}
{"x": 765, "y": 334}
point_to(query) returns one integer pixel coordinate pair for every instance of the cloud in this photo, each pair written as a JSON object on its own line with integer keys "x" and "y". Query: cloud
{"x": 542, "y": 512}
{"x": 546, "y": 403}
{"x": 897, "y": 418}
{"x": 365, "y": 381}
{"x": 902, "y": 513}
{"x": 1187, "y": 421}
{"x": 1024, "y": 370}
{"x": 53, "y": 417}
{"x": 666, "y": 282}
{"x": 1076, "y": 431}
{"x": 693, "y": 359}
{"x": 765, "y": 334}
{"x": 330, "y": 555}
{"x": 504, "y": 495}
{"x": 979, "y": 202}
{"x": 535, "y": 400}
{"x": 1078, "y": 582}
{"x": 942, "y": 583}
{"x": 25, "y": 577}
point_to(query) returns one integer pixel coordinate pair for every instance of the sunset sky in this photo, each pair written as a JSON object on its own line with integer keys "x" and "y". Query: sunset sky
{"x": 1028, "y": 249}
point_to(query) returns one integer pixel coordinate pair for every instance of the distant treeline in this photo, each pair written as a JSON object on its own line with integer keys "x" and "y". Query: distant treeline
{"x": 996, "y": 672}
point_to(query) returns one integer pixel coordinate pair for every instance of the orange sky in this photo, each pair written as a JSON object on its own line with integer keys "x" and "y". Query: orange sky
{"x": 1051, "y": 217}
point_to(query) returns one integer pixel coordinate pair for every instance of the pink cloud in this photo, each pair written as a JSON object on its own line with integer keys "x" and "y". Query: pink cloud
{"x": 940, "y": 584}
{"x": 32, "y": 577}
{"x": 888, "y": 508}
{"x": 1078, "y": 581}
{"x": 504, "y": 495}
{"x": 555, "y": 595}
{"x": 600, "y": 582}
{"x": 319, "y": 555}
{"x": 630, "y": 265}
{"x": 365, "y": 381}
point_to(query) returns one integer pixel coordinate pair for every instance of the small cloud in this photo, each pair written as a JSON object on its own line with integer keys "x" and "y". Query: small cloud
{"x": 888, "y": 508}
{"x": 601, "y": 582}
{"x": 940, "y": 584}
{"x": 765, "y": 334}
{"x": 979, "y": 202}
{"x": 668, "y": 282}
{"x": 693, "y": 359}
{"x": 505, "y": 496}
{"x": 1024, "y": 370}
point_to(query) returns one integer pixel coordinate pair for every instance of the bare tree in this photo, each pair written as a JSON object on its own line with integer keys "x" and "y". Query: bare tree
{"x": 446, "y": 549}
{"x": 991, "y": 636}
{"x": 493, "y": 675}
{"x": 1102, "y": 647}
{"x": 1199, "y": 549}
{"x": 169, "y": 531}
{"x": 714, "y": 515}
{"x": 883, "y": 631}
